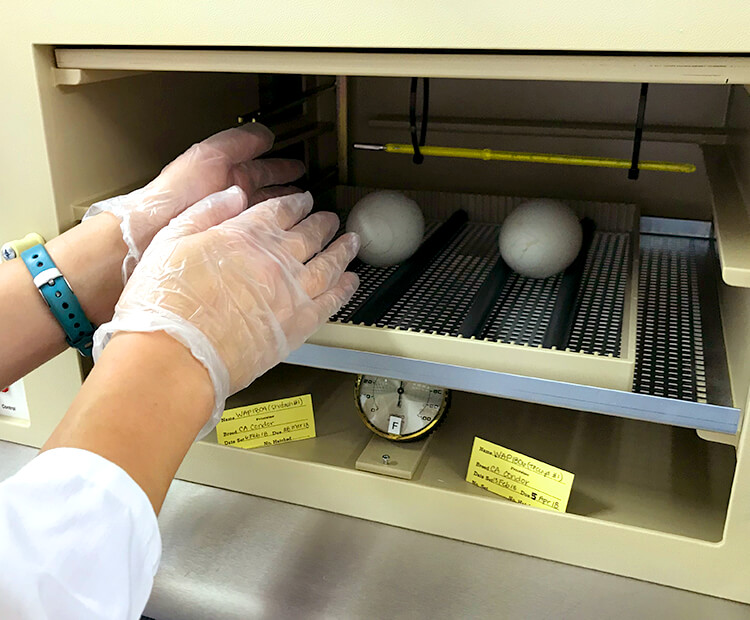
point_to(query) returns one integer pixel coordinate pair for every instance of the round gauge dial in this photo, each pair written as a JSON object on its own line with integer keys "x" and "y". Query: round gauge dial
{"x": 400, "y": 410}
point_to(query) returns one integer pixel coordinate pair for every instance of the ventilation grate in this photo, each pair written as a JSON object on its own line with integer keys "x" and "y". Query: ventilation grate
{"x": 440, "y": 299}
{"x": 670, "y": 353}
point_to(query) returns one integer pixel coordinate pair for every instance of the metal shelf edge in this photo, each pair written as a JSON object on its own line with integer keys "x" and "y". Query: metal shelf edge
{"x": 631, "y": 405}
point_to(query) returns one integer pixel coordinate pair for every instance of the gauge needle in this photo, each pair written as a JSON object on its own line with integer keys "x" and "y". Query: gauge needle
{"x": 400, "y": 393}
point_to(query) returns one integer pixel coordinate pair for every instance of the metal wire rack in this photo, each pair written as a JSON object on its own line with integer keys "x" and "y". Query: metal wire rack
{"x": 670, "y": 359}
{"x": 440, "y": 298}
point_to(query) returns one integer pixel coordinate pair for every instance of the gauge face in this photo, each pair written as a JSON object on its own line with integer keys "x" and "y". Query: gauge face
{"x": 400, "y": 410}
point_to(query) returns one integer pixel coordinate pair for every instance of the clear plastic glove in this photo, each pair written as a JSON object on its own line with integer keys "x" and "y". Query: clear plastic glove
{"x": 223, "y": 160}
{"x": 240, "y": 288}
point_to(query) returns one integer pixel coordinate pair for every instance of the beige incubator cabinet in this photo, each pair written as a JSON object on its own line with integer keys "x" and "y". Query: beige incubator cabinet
{"x": 631, "y": 370}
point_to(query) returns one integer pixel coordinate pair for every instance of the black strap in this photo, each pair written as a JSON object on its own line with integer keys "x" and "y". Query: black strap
{"x": 417, "y": 142}
{"x": 633, "y": 171}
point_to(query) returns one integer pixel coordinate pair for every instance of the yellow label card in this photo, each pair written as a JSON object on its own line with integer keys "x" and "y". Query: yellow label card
{"x": 517, "y": 477}
{"x": 267, "y": 424}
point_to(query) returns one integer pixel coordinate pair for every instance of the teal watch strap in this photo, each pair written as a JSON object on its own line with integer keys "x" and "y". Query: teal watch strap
{"x": 54, "y": 288}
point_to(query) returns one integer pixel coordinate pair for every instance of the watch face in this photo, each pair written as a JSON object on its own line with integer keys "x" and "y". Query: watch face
{"x": 8, "y": 253}
{"x": 400, "y": 410}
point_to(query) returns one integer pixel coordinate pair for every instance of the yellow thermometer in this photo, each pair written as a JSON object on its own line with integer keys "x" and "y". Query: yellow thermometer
{"x": 521, "y": 156}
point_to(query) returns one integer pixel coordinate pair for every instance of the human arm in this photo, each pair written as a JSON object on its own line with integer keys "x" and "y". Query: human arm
{"x": 221, "y": 295}
{"x": 236, "y": 290}
{"x": 245, "y": 283}
{"x": 92, "y": 256}
{"x": 141, "y": 408}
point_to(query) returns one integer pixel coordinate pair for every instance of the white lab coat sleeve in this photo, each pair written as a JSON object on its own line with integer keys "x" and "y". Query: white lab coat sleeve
{"x": 78, "y": 540}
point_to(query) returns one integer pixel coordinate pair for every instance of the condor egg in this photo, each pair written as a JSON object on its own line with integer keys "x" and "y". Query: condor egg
{"x": 540, "y": 238}
{"x": 390, "y": 227}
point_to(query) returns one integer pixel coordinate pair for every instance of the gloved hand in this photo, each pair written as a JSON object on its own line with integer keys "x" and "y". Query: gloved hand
{"x": 239, "y": 288}
{"x": 223, "y": 160}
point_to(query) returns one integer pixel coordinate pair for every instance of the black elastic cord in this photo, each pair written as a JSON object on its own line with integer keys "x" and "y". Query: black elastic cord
{"x": 633, "y": 171}
{"x": 417, "y": 142}
{"x": 425, "y": 110}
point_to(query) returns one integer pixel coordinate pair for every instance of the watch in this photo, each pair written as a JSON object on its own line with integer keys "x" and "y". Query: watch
{"x": 56, "y": 291}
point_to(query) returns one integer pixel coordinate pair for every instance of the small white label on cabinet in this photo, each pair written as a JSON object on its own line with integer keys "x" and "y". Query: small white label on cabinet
{"x": 13, "y": 401}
